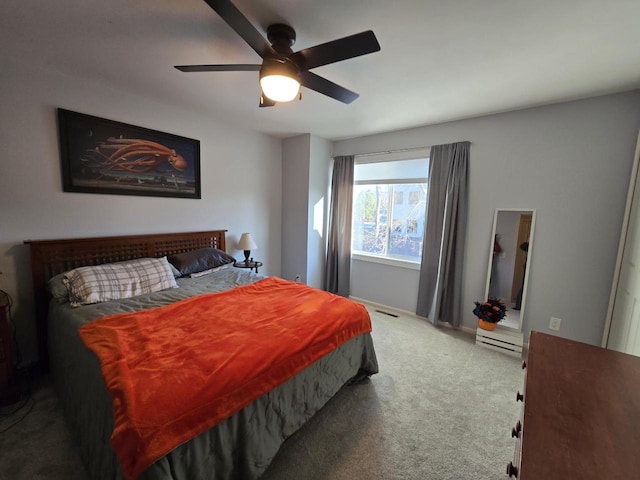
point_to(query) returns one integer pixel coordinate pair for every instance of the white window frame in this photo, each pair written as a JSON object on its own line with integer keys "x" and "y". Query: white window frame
{"x": 388, "y": 157}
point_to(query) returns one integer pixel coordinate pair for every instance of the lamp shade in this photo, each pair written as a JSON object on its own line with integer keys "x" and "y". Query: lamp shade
{"x": 279, "y": 80}
{"x": 246, "y": 242}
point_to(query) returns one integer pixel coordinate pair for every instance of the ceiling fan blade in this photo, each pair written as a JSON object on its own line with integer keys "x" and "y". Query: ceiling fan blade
{"x": 326, "y": 87}
{"x": 238, "y": 22}
{"x": 337, "y": 50}
{"x": 219, "y": 68}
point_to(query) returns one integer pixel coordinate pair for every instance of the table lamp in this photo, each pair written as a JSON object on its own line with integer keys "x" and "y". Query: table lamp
{"x": 247, "y": 244}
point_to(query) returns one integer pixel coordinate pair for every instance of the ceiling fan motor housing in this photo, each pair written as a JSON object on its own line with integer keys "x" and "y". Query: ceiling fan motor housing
{"x": 281, "y": 37}
{"x": 279, "y": 66}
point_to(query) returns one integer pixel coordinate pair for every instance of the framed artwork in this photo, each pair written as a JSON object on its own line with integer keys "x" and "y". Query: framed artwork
{"x": 105, "y": 156}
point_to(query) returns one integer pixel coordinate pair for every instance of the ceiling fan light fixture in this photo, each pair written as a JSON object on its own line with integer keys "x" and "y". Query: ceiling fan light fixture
{"x": 280, "y": 88}
{"x": 280, "y": 81}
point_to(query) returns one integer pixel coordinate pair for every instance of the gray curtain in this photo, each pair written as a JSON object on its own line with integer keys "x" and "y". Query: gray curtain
{"x": 338, "y": 264}
{"x": 440, "y": 284}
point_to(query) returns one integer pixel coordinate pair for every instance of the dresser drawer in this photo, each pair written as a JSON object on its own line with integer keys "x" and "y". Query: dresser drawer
{"x": 580, "y": 413}
{"x": 513, "y": 467}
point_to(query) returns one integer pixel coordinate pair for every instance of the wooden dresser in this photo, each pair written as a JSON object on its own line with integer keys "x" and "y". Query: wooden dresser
{"x": 581, "y": 413}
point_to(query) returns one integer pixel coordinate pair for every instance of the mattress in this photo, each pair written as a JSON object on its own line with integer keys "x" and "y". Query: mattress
{"x": 240, "y": 447}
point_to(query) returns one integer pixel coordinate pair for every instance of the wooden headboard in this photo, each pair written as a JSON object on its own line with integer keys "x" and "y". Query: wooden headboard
{"x": 51, "y": 257}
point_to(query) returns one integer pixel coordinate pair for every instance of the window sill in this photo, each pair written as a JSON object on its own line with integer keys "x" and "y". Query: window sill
{"x": 386, "y": 261}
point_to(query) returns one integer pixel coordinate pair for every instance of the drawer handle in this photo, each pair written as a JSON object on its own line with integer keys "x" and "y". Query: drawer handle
{"x": 512, "y": 470}
{"x": 515, "y": 431}
{"x": 519, "y": 397}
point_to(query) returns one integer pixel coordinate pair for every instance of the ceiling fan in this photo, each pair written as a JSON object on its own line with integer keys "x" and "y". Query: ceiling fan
{"x": 282, "y": 71}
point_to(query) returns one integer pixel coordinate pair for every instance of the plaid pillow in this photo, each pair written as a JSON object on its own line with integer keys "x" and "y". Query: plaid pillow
{"x": 114, "y": 281}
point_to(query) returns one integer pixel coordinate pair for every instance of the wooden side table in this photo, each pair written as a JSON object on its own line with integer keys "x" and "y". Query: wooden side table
{"x": 11, "y": 388}
{"x": 250, "y": 264}
{"x": 6, "y": 343}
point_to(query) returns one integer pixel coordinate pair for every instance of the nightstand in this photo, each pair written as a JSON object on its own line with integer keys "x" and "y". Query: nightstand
{"x": 6, "y": 342}
{"x": 11, "y": 388}
{"x": 250, "y": 264}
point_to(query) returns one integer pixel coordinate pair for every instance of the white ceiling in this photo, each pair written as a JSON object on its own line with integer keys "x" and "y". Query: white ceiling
{"x": 440, "y": 60}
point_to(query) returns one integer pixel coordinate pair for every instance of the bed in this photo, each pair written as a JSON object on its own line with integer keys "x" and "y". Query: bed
{"x": 240, "y": 446}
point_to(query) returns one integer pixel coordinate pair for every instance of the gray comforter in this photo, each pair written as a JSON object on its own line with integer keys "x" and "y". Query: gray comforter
{"x": 241, "y": 447}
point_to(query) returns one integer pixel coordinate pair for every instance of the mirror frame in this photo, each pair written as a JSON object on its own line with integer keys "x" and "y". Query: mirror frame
{"x": 525, "y": 283}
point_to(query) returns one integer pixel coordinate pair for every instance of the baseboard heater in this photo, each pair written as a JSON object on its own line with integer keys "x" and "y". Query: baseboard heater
{"x": 501, "y": 340}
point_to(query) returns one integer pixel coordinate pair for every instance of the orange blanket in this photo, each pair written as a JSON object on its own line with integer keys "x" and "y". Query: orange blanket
{"x": 175, "y": 371}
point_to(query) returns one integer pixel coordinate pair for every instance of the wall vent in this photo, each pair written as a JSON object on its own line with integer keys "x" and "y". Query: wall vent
{"x": 504, "y": 341}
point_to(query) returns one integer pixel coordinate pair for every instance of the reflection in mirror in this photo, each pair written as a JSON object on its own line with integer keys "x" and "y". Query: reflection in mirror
{"x": 507, "y": 276}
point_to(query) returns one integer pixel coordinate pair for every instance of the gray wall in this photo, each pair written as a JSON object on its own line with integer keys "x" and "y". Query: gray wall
{"x": 241, "y": 180}
{"x": 319, "y": 181}
{"x": 305, "y": 170}
{"x": 385, "y": 284}
{"x": 295, "y": 201}
{"x": 571, "y": 162}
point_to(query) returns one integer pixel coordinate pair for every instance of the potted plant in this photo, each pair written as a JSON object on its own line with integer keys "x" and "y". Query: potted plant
{"x": 489, "y": 313}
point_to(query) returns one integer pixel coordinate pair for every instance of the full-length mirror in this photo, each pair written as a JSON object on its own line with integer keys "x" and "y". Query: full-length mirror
{"x": 508, "y": 275}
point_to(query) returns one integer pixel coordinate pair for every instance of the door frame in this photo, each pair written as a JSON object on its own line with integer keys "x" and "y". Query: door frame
{"x": 623, "y": 240}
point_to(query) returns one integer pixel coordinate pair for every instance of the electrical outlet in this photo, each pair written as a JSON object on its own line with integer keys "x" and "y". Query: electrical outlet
{"x": 554, "y": 323}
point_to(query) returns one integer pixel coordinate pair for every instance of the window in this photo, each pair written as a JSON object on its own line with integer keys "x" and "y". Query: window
{"x": 384, "y": 224}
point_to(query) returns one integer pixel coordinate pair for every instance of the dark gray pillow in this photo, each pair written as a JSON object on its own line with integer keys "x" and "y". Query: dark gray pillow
{"x": 199, "y": 260}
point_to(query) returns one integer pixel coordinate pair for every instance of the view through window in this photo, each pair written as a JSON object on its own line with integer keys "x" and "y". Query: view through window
{"x": 389, "y": 200}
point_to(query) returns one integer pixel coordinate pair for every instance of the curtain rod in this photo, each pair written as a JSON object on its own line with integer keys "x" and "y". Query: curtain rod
{"x": 399, "y": 150}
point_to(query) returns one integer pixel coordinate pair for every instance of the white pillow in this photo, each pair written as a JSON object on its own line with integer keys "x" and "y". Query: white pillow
{"x": 115, "y": 281}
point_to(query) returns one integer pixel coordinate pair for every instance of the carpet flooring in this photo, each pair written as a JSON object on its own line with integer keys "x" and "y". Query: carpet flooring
{"x": 441, "y": 408}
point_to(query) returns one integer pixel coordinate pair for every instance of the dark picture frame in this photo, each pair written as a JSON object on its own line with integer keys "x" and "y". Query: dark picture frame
{"x": 110, "y": 157}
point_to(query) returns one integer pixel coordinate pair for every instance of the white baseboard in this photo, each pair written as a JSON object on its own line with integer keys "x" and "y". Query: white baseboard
{"x": 389, "y": 309}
